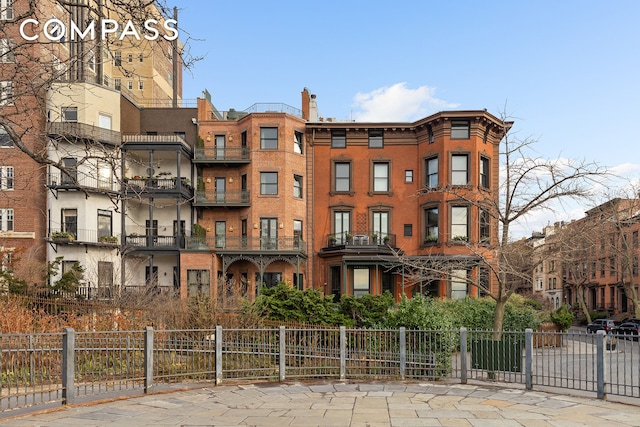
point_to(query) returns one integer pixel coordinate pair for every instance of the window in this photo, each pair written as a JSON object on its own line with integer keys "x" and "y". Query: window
{"x": 380, "y": 177}
{"x": 602, "y": 263}
{"x": 458, "y": 284}
{"x": 6, "y": 177}
{"x": 342, "y": 177}
{"x": 104, "y": 121}
{"x": 269, "y": 138}
{"x": 376, "y": 138}
{"x": 408, "y": 230}
{"x": 117, "y": 84}
{"x": 408, "y": 175}
{"x": 6, "y": 10}
{"x": 360, "y": 281}
{"x": 91, "y": 60}
{"x": 117, "y": 58}
{"x": 130, "y": 57}
{"x": 459, "y": 129}
{"x": 297, "y": 186}
{"x": 6, "y": 50}
{"x": 635, "y": 266}
{"x": 70, "y": 221}
{"x": 635, "y": 239}
{"x": 6, "y": 219}
{"x": 221, "y": 234}
{"x": 70, "y": 173}
{"x": 612, "y": 266}
{"x": 432, "y": 172}
{"x": 140, "y": 57}
{"x": 5, "y": 139}
{"x": 297, "y": 233}
{"x": 460, "y": 223}
{"x": 198, "y": 282}
{"x": 339, "y": 138}
{"x": 341, "y": 225}
{"x": 104, "y": 223}
{"x": 298, "y": 142}
{"x": 268, "y": 182}
{"x": 6, "y": 92}
{"x": 459, "y": 166}
{"x": 140, "y": 85}
{"x": 484, "y": 172}
{"x": 268, "y": 233}
{"x": 431, "y": 225}
{"x": 130, "y": 85}
{"x": 269, "y": 280}
{"x": 70, "y": 114}
{"x": 484, "y": 221}
{"x": 381, "y": 227}
{"x": 430, "y": 134}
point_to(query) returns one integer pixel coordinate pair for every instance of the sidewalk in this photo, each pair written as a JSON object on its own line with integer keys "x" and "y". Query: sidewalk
{"x": 344, "y": 404}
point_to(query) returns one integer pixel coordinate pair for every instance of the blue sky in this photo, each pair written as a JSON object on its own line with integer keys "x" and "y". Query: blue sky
{"x": 566, "y": 71}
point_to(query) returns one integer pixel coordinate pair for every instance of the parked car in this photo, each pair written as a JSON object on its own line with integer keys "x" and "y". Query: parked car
{"x": 631, "y": 329}
{"x": 607, "y": 325}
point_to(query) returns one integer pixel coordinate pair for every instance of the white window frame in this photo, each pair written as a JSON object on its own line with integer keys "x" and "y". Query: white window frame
{"x": 6, "y": 219}
{"x": 6, "y": 51}
{"x": 7, "y": 177}
{"x": 381, "y": 173}
{"x": 6, "y": 93}
{"x": 459, "y": 176}
{"x": 459, "y": 222}
{"x": 6, "y": 10}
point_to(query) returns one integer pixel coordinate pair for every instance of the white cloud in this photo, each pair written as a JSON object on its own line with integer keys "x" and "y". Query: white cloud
{"x": 397, "y": 103}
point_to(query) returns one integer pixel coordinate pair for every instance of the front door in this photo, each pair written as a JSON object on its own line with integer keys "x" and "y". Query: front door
{"x": 220, "y": 146}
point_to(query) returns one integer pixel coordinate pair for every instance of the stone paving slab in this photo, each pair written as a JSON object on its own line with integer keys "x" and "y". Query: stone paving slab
{"x": 349, "y": 404}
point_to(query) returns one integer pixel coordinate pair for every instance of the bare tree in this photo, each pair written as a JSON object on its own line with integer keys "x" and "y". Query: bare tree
{"x": 528, "y": 184}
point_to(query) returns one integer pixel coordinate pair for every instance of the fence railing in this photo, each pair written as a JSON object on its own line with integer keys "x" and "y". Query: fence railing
{"x": 53, "y": 369}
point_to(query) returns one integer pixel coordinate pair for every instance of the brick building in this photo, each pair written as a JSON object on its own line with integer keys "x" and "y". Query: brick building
{"x": 379, "y": 189}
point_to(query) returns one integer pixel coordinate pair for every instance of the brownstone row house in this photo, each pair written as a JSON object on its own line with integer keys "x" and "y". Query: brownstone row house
{"x": 284, "y": 195}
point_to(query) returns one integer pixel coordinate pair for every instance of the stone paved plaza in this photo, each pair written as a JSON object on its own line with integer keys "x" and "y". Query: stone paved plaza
{"x": 344, "y": 404}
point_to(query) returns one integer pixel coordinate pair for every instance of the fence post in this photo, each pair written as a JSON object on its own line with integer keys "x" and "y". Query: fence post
{"x": 218, "y": 354}
{"x": 343, "y": 352}
{"x": 600, "y": 361}
{"x": 282, "y": 353}
{"x": 68, "y": 366}
{"x": 528, "y": 358}
{"x": 403, "y": 352}
{"x": 463, "y": 355}
{"x": 148, "y": 358}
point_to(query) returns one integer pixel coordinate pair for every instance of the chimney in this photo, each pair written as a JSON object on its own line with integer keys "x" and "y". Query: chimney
{"x": 305, "y": 103}
{"x": 313, "y": 109}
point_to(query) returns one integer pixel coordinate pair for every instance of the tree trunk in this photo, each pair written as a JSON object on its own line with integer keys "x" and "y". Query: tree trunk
{"x": 581, "y": 303}
{"x": 498, "y": 318}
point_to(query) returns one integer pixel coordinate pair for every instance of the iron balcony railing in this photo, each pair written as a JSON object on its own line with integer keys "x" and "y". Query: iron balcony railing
{"x": 371, "y": 238}
{"x": 222, "y": 155}
{"x": 75, "y": 180}
{"x": 223, "y": 198}
{"x": 74, "y": 130}
{"x": 158, "y": 186}
{"x": 246, "y": 244}
{"x": 81, "y": 236}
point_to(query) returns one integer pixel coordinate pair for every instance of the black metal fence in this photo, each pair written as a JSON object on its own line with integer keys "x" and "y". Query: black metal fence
{"x": 55, "y": 369}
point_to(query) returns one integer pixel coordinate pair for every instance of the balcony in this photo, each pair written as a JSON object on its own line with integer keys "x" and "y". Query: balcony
{"x": 74, "y": 130}
{"x": 224, "y": 244}
{"x": 155, "y": 242}
{"x": 62, "y": 181}
{"x": 82, "y": 236}
{"x": 159, "y": 186}
{"x": 370, "y": 240}
{"x": 223, "y": 198}
{"x": 227, "y": 155}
